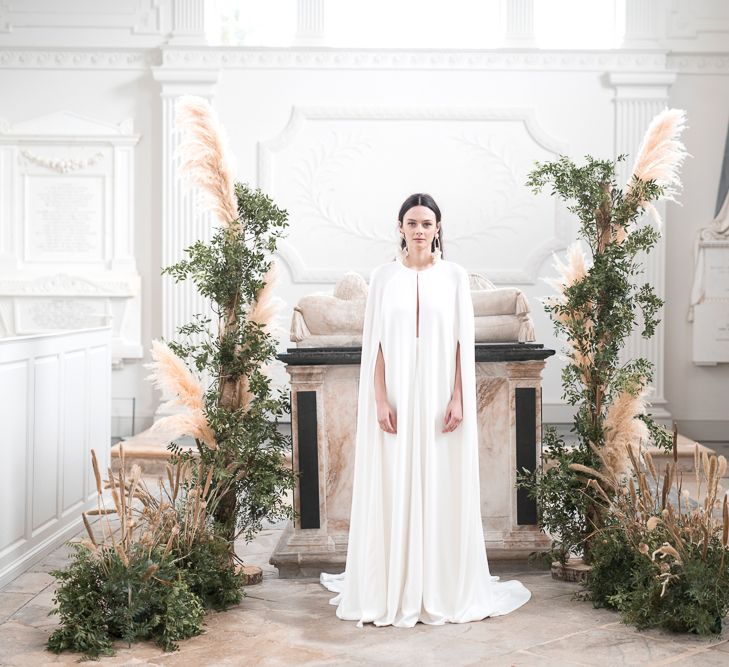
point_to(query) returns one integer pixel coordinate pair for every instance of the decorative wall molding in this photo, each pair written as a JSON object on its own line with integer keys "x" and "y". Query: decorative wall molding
{"x": 699, "y": 63}
{"x": 79, "y": 59}
{"x": 691, "y": 19}
{"x": 441, "y": 59}
{"x": 140, "y": 17}
{"x": 337, "y": 58}
{"x": 62, "y": 284}
{"x": 63, "y": 166}
{"x": 308, "y": 186}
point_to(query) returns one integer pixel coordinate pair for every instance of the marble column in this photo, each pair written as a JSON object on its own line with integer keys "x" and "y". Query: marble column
{"x": 183, "y": 222}
{"x": 639, "y": 96}
{"x": 643, "y": 24}
{"x": 188, "y": 22}
{"x": 310, "y": 22}
{"x": 519, "y": 23}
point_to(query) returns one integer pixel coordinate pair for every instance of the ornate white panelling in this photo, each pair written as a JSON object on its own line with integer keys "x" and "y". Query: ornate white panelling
{"x": 67, "y": 240}
{"x": 342, "y": 173}
{"x": 694, "y": 20}
{"x": 183, "y": 222}
{"x": 638, "y": 98}
{"x": 44, "y": 22}
{"x": 55, "y": 393}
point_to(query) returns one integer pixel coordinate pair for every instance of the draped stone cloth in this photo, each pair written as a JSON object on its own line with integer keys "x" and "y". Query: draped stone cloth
{"x": 416, "y": 543}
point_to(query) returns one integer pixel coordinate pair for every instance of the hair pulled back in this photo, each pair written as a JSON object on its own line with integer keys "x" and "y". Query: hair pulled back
{"x": 422, "y": 199}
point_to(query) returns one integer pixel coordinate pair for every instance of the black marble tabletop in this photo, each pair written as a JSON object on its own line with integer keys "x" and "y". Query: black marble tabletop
{"x": 329, "y": 356}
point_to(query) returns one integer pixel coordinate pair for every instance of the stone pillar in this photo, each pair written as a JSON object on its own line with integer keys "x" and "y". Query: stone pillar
{"x": 643, "y": 24}
{"x": 509, "y": 403}
{"x": 519, "y": 23}
{"x": 188, "y": 22}
{"x": 183, "y": 222}
{"x": 310, "y": 22}
{"x": 639, "y": 96}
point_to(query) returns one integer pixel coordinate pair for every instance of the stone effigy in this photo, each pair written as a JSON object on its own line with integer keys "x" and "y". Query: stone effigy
{"x": 336, "y": 320}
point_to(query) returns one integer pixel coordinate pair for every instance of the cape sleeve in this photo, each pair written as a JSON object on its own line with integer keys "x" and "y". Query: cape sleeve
{"x": 371, "y": 331}
{"x": 365, "y": 557}
{"x": 465, "y": 335}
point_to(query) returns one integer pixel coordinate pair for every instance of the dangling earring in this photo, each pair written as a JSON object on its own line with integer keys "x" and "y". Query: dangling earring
{"x": 403, "y": 250}
{"x": 437, "y": 252}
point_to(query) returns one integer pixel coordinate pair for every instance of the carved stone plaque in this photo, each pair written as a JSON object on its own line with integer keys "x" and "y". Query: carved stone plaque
{"x": 67, "y": 229}
{"x": 65, "y": 216}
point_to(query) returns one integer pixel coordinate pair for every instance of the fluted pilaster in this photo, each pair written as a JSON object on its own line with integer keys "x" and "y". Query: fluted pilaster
{"x": 519, "y": 23}
{"x": 183, "y": 222}
{"x": 638, "y": 98}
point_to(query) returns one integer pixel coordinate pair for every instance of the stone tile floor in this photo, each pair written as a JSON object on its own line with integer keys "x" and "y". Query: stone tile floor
{"x": 290, "y": 622}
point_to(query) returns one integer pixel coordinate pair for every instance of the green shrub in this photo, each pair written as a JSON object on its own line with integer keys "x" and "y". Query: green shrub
{"x": 154, "y": 596}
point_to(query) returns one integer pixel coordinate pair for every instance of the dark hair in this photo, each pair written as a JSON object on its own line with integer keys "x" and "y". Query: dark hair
{"x": 422, "y": 199}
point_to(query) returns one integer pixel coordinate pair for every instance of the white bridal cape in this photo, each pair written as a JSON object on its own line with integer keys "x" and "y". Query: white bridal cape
{"x": 416, "y": 543}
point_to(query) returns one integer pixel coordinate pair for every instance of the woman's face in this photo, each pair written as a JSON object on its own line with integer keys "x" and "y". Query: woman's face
{"x": 419, "y": 226}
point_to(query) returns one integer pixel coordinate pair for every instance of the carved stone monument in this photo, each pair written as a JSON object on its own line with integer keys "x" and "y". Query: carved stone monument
{"x": 67, "y": 215}
{"x": 709, "y": 309}
{"x": 324, "y": 371}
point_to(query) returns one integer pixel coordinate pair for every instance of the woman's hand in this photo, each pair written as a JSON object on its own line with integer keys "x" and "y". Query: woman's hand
{"x": 454, "y": 414}
{"x": 386, "y": 417}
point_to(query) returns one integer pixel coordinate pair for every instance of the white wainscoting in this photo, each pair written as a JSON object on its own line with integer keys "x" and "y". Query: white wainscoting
{"x": 55, "y": 402}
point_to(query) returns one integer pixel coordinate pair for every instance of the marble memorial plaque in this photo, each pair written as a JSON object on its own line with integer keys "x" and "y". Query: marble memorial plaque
{"x": 64, "y": 218}
{"x": 56, "y": 314}
{"x": 716, "y": 272}
{"x": 711, "y": 332}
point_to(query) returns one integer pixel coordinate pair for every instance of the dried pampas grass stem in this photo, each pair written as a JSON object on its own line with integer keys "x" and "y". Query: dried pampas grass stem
{"x": 204, "y": 157}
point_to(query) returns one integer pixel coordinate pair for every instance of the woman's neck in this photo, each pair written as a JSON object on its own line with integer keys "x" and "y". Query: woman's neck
{"x": 421, "y": 260}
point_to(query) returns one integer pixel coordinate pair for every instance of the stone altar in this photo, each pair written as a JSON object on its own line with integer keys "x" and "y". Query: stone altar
{"x": 324, "y": 371}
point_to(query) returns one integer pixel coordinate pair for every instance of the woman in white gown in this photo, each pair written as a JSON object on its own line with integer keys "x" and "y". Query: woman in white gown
{"x": 416, "y": 544}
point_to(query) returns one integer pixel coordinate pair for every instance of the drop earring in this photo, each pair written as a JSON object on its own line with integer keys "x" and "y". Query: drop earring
{"x": 403, "y": 250}
{"x": 436, "y": 244}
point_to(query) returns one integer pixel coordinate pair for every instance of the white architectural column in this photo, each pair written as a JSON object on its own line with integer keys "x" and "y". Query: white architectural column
{"x": 639, "y": 97}
{"x": 188, "y": 22}
{"x": 183, "y": 222}
{"x": 519, "y": 23}
{"x": 310, "y": 22}
{"x": 644, "y": 23}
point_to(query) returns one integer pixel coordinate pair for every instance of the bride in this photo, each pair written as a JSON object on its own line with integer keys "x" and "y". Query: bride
{"x": 416, "y": 544}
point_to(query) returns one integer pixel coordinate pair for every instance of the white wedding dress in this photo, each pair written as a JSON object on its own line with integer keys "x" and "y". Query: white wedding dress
{"x": 416, "y": 543}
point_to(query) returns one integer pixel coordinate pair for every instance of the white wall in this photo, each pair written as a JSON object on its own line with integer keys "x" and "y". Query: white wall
{"x": 698, "y": 394}
{"x": 108, "y": 74}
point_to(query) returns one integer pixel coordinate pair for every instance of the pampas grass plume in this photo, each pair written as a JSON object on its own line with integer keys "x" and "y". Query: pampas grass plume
{"x": 661, "y": 155}
{"x": 204, "y": 156}
{"x": 623, "y": 429}
{"x": 171, "y": 375}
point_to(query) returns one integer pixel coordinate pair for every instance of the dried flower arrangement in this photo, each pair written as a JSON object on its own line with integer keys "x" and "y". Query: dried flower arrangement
{"x": 596, "y": 308}
{"x": 661, "y": 558}
{"x": 152, "y": 566}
